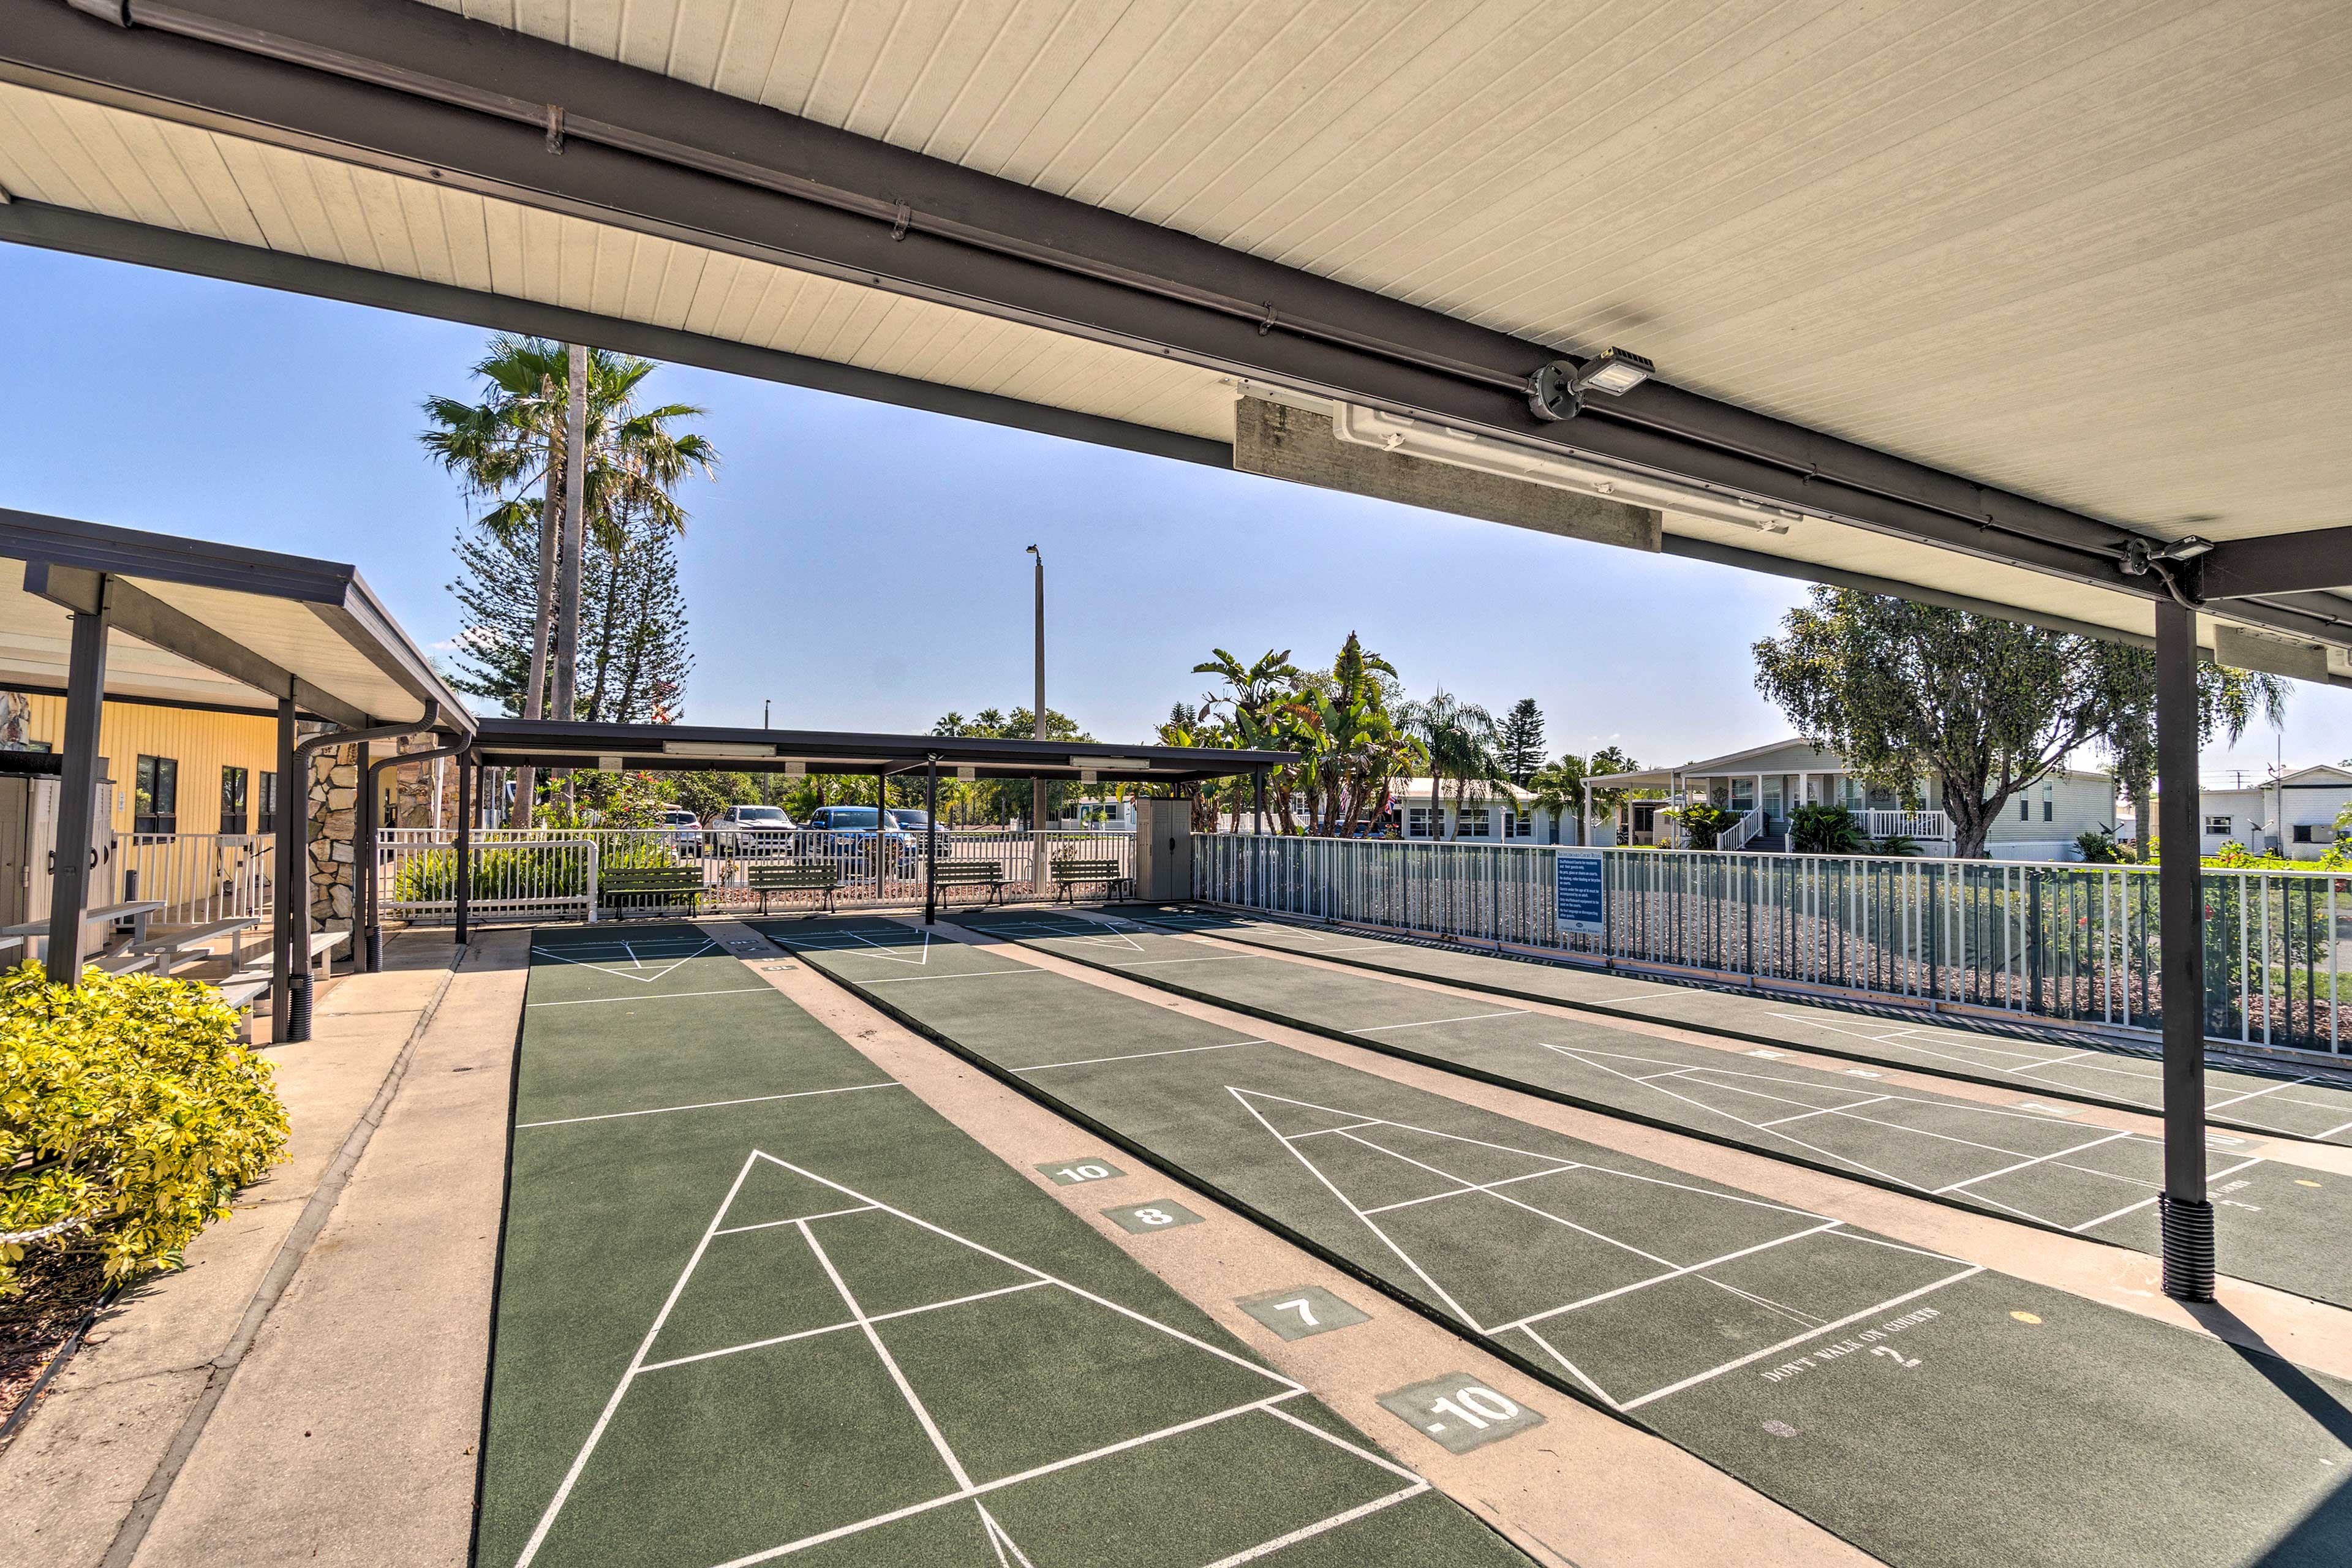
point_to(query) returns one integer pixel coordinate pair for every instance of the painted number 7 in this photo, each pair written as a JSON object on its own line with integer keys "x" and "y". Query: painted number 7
{"x": 1299, "y": 1305}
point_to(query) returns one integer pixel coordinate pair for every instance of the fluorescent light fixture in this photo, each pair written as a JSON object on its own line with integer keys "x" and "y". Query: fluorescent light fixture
{"x": 1127, "y": 764}
{"x": 717, "y": 749}
{"x": 1508, "y": 460}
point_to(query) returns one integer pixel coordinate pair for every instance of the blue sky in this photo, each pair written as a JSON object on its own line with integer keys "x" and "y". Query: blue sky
{"x": 861, "y": 565}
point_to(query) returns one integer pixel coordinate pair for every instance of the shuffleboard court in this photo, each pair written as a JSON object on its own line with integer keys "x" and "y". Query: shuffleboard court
{"x": 1930, "y": 1411}
{"x": 757, "y": 1303}
{"x": 2315, "y": 1106}
{"x": 2279, "y": 1224}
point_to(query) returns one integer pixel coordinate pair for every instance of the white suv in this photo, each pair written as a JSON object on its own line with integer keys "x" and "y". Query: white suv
{"x": 751, "y": 830}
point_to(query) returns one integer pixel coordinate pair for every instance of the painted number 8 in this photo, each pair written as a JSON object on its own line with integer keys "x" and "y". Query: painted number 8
{"x": 1155, "y": 1217}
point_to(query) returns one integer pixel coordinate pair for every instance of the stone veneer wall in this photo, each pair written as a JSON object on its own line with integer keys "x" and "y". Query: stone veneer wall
{"x": 335, "y": 784}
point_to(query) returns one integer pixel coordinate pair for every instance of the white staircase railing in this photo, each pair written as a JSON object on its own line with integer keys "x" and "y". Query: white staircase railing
{"x": 1743, "y": 832}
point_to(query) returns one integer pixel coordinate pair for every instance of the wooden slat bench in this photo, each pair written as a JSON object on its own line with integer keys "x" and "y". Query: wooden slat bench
{"x": 988, "y": 874}
{"x": 1070, "y": 874}
{"x": 801, "y": 877}
{"x": 646, "y": 886}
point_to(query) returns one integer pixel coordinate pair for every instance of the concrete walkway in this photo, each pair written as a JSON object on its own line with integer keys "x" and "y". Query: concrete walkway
{"x": 295, "y": 1394}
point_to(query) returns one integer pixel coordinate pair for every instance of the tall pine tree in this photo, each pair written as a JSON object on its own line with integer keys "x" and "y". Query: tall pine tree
{"x": 1520, "y": 739}
{"x": 633, "y": 657}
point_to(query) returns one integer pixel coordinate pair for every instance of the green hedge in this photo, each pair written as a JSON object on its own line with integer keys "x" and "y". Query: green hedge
{"x": 129, "y": 1118}
{"x": 501, "y": 871}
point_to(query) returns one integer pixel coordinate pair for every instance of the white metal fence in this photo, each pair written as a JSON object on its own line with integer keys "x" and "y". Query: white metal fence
{"x": 2070, "y": 942}
{"x": 198, "y": 877}
{"x": 558, "y": 874}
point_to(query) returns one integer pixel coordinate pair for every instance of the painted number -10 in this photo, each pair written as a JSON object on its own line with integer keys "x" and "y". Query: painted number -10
{"x": 1477, "y": 1406}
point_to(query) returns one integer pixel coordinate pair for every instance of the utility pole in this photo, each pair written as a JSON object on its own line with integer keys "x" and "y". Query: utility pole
{"x": 575, "y": 470}
{"x": 1037, "y": 722}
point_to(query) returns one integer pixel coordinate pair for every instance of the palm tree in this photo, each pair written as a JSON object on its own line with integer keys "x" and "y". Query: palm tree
{"x": 1460, "y": 740}
{"x": 510, "y": 447}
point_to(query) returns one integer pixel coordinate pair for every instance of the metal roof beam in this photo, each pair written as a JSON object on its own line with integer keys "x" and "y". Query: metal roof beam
{"x": 140, "y": 614}
{"x": 431, "y": 95}
{"x": 2284, "y": 563}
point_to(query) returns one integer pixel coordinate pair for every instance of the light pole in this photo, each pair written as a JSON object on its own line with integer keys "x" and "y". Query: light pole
{"x": 1037, "y": 725}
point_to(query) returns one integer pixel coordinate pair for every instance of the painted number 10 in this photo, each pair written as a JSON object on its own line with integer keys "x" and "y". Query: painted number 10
{"x": 1476, "y": 1406}
{"x": 1074, "y": 1174}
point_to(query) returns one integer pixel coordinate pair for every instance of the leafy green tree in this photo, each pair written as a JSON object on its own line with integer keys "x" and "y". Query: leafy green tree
{"x": 1905, "y": 691}
{"x": 1003, "y": 800}
{"x": 1520, "y": 740}
{"x": 2227, "y": 702}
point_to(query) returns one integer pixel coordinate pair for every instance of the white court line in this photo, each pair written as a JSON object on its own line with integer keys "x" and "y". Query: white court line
{"x": 604, "y": 1417}
{"x": 635, "y": 962}
{"x": 1839, "y": 1030}
{"x": 985, "y": 1487}
{"x": 1662, "y": 1279}
{"x": 1458, "y": 1192}
{"x": 2038, "y": 1159}
{"x": 772, "y": 1224}
{"x": 1138, "y": 1055}
{"x": 1426, "y": 1023}
{"x": 2127, "y": 1209}
{"x": 1824, "y": 1110}
{"x": 1320, "y": 1131}
{"x": 974, "y": 974}
{"x": 1213, "y": 958}
{"x": 1309, "y": 1532}
{"x": 706, "y": 1105}
{"x": 664, "y": 996}
{"x": 889, "y": 1362}
{"x": 2329, "y": 1133}
{"x": 1442, "y": 1294}
{"x": 1001, "y": 1539}
{"x": 1505, "y": 1197}
{"x": 1637, "y": 996}
{"x": 1798, "y": 1340}
{"x": 1575, "y": 1371}
{"x": 2257, "y": 1094}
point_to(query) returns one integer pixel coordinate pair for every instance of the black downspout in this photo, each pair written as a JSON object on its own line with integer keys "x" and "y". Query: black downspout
{"x": 2187, "y": 1215}
{"x": 296, "y": 945}
{"x": 371, "y": 893}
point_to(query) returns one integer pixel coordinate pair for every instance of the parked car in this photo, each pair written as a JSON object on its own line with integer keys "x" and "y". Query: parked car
{"x": 743, "y": 830}
{"x": 844, "y": 834}
{"x": 682, "y": 830}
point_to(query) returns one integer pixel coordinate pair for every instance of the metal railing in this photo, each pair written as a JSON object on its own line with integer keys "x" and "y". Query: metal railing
{"x": 1927, "y": 826}
{"x": 553, "y": 873}
{"x": 1743, "y": 832}
{"x": 2072, "y": 943}
{"x": 198, "y": 877}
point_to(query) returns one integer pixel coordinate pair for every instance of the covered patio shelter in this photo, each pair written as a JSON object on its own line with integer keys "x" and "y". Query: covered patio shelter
{"x": 2038, "y": 321}
{"x": 89, "y": 612}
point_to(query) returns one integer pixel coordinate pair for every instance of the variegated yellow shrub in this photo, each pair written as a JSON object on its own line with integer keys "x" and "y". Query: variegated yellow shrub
{"x": 129, "y": 1118}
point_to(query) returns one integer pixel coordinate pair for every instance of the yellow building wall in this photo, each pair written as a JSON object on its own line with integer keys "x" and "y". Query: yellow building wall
{"x": 201, "y": 743}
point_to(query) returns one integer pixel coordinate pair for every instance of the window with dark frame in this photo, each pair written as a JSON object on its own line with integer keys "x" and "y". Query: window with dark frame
{"x": 267, "y": 822}
{"x": 155, "y": 797}
{"x": 233, "y": 799}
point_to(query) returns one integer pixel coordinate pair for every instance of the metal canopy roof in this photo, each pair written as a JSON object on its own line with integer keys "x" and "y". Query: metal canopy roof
{"x": 546, "y": 744}
{"x": 1976, "y": 297}
{"x": 195, "y": 622}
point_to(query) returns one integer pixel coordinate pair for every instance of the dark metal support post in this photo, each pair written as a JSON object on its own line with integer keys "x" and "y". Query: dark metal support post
{"x": 881, "y": 836}
{"x": 1258, "y": 778}
{"x": 930, "y": 838}
{"x": 465, "y": 852}
{"x": 287, "y": 878}
{"x": 76, "y": 857}
{"x": 2187, "y": 1215}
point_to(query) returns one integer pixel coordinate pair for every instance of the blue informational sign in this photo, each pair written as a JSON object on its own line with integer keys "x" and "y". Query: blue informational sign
{"x": 1582, "y": 909}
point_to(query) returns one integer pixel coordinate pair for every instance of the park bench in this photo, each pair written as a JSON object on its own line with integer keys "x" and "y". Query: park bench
{"x": 802, "y": 877}
{"x": 241, "y": 989}
{"x": 646, "y": 886}
{"x": 194, "y": 944}
{"x": 988, "y": 874}
{"x": 1070, "y": 874}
